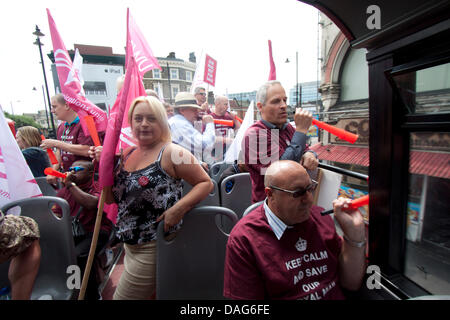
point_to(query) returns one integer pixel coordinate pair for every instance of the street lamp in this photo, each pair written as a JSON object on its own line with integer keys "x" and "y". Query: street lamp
{"x": 39, "y": 34}
{"x": 296, "y": 79}
{"x": 45, "y": 108}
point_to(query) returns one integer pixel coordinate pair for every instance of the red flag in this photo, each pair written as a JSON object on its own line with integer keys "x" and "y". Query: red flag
{"x": 273, "y": 71}
{"x": 70, "y": 83}
{"x": 132, "y": 88}
{"x": 139, "y": 48}
{"x": 210, "y": 71}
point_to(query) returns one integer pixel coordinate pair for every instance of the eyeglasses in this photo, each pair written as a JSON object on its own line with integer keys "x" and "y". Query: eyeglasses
{"x": 300, "y": 192}
{"x": 202, "y": 93}
{"x": 76, "y": 169}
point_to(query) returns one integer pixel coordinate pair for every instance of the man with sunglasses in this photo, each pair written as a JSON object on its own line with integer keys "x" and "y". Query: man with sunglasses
{"x": 273, "y": 138}
{"x": 200, "y": 96}
{"x": 82, "y": 194}
{"x": 284, "y": 249}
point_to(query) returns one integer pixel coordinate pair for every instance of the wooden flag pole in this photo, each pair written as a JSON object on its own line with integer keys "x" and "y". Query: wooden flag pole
{"x": 98, "y": 223}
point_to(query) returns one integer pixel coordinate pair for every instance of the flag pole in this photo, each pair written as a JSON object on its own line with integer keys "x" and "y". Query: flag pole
{"x": 98, "y": 223}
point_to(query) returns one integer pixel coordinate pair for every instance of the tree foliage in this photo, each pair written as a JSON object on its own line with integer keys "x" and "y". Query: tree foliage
{"x": 21, "y": 121}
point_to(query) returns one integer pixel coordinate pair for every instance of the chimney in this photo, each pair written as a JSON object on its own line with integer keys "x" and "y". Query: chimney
{"x": 171, "y": 55}
{"x": 192, "y": 57}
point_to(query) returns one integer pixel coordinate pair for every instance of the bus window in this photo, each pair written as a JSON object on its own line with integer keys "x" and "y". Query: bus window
{"x": 427, "y": 257}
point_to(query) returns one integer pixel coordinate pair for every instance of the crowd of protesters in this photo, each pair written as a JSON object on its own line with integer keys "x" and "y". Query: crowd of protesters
{"x": 148, "y": 187}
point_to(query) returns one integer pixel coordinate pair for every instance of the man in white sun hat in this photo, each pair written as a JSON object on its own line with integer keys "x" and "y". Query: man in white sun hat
{"x": 183, "y": 127}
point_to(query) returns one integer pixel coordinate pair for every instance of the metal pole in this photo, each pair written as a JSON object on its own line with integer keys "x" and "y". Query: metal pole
{"x": 168, "y": 77}
{"x": 45, "y": 107}
{"x": 53, "y": 135}
{"x": 296, "y": 78}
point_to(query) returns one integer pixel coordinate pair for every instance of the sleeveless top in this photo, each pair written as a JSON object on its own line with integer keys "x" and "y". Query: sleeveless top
{"x": 142, "y": 196}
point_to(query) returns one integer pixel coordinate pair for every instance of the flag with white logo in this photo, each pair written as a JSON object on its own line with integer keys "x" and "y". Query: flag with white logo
{"x": 71, "y": 85}
{"x": 16, "y": 180}
{"x": 139, "y": 48}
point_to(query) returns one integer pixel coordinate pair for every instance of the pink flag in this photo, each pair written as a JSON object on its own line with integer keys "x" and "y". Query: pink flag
{"x": 132, "y": 88}
{"x": 70, "y": 83}
{"x": 139, "y": 48}
{"x": 273, "y": 71}
{"x": 210, "y": 70}
{"x": 16, "y": 180}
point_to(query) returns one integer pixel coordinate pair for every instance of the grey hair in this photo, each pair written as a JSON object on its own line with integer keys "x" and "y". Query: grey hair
{"x": 261, "y": 95}
{"x": 197, "y": 90}
{"x": 59, "y": 98}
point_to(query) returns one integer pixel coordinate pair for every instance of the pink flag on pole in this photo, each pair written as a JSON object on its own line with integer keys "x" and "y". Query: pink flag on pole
{"x": 16, "y": 180}
{"x": 210, "y": 71}
{"x": 70, "y": 83}
{"x": 273, "y": 71}
{"x": 132, "y": 88}
{"x": 139, "y": 48}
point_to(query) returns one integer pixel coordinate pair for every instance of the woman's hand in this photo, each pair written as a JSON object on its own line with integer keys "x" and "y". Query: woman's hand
{"x": 171, "y": 216}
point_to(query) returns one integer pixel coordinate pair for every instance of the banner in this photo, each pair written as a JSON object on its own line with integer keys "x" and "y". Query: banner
{"x": 16, "y": 180}
{"x": 131, "y": 89}
{"x": 233, "y": 151}
{"x": 273, "y": 71}
{"x": 71, "y": 85}
{"x": 139, "y": 48}
{"x": 210, "y": 70}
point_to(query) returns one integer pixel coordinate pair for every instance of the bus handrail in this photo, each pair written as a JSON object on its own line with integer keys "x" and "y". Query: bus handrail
{"x": 344, "y": 171}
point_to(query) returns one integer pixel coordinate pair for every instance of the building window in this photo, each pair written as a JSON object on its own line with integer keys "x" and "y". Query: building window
{"x": 188, "y": 75}
{"x": 95, "y": 88}
{"x": 156, "y": 74}
{"x": 159, "y": 90}
{"x": 174, "y": 74}
{"x": 175, "y": 89}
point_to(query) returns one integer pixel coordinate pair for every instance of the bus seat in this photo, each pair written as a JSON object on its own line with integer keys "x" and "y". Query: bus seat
{"x": 191, "y": 265}
{"x": 46, "y": 188}
{"x": 252, "y": 207}
{"x": 57, "y": 247}
{"x": 213, "y": 199}
{"x": 239, "y": 197}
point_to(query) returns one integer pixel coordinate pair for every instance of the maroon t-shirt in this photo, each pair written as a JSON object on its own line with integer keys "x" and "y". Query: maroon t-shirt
{"x": 261, "y": 151}
{"x": 87, "y": 217}
{"x": 220, "y": 128}
{"x": 73, "y": 134}
{"x": 303, "y": 264}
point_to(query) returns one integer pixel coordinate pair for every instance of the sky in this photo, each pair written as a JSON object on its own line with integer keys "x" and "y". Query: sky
{"x": 233, "y": 32}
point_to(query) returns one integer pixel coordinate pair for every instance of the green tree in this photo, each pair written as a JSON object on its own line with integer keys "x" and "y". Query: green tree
{"x": 22, "y": 121}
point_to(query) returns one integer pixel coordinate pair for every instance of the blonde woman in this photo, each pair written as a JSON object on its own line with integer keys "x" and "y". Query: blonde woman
{"x": 147, "y": 189}
{"x": 29, "y": 139}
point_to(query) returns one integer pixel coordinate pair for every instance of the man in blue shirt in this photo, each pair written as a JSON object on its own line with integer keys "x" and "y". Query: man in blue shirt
{"x": 186, "y": 128}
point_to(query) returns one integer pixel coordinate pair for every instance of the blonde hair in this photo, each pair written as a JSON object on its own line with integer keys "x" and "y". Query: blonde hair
{"x": 158, "y": 109}
{"x": 30, "y": 136}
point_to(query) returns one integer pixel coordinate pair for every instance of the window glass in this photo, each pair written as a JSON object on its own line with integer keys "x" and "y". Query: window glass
{"x": 427, "y": 258}
{"x": 188, "y": 75}
{"x": 425, "y": 91}
{"x": 174, "y": 74}
{"x": 156, "y": 74}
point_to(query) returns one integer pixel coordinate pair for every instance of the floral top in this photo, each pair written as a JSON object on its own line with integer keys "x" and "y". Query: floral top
{"x": 142, "y": 196}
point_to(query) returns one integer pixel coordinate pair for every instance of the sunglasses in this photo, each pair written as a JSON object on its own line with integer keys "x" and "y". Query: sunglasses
{"x": 76, "y": 169}
{"x": 202, "y": 93}
{"x": 300, "y": 192}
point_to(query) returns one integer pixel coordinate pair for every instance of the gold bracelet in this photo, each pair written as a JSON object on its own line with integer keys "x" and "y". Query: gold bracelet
{"x": 355, "y": 244}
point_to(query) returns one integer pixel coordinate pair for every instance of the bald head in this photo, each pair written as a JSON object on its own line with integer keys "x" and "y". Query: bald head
{"x": 282, "y": 179}
{"x": 221, "y": 104}
{"x": 280, "y": 173}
